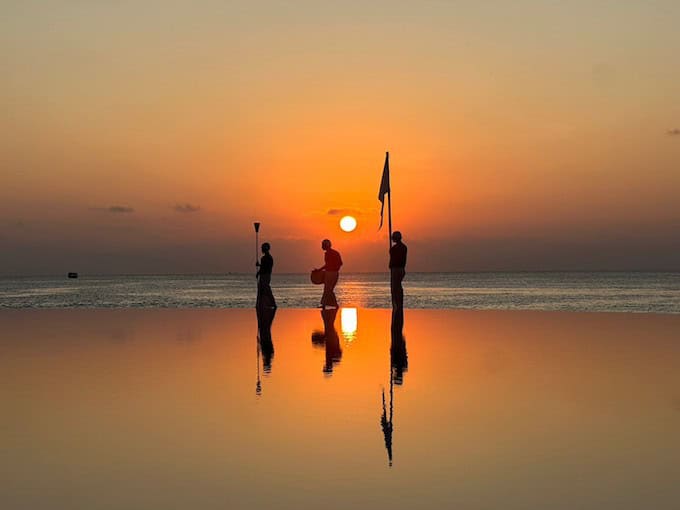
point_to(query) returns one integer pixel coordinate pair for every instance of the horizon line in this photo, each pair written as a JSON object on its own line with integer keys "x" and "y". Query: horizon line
{"x": 242, "y": 273}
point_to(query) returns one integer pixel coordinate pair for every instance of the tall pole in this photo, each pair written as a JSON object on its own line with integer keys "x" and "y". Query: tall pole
{"x": 258, "y": 385}
{"x": 389, "y": 200}
{"x": 257, "y": 238}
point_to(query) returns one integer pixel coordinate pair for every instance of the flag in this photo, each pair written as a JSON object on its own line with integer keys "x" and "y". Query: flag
{"x": 384, "y": 187}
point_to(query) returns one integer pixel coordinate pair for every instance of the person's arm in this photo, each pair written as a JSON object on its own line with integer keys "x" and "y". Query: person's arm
{"x": 259, "y": 266}
{"x": 325, "y": 260}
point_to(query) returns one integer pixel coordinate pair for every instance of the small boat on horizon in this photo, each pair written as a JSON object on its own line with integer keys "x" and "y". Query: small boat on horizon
{"x": 73, "y": 275}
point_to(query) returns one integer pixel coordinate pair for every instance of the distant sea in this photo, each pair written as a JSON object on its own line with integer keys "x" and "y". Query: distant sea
{"x": 592, "y": 292}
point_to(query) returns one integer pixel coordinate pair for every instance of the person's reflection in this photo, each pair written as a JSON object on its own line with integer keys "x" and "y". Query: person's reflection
{"x": 398, "y": 365}
{"x": 398, "y": 354}
{"x": 265, "y": 345}
{"x": 328, "y": 339}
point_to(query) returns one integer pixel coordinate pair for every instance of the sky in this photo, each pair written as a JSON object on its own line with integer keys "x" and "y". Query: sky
{"x": 146, "y": 137}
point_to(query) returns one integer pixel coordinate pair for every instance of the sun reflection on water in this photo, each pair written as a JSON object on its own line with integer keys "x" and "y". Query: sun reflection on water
{"x": 348, "y": 323}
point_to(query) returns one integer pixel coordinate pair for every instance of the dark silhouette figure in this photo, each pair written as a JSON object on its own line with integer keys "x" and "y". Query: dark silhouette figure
{"x": 265, "y": 296}
{"x": 328, "y": 339}
{"x": 398, "y": 365}
{"x": 265, "y": 345}
{"x": 331, "y": 268}
{"x": 397, "y": 270}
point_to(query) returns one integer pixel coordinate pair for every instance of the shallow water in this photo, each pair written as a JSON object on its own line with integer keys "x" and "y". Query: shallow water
{"x": 603, "y": 292}
{"x": 170, "y": 409}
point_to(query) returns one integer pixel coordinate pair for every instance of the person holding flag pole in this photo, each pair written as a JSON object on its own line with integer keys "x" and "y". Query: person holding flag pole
{"x": 398, "y": 250}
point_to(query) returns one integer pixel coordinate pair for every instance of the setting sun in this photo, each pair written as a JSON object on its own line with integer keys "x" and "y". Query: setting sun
{"x": 348, "y": 223}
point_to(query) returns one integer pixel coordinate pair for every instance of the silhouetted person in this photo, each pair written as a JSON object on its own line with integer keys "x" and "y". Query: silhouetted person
{"x": 265, "y": 297}
{"x": 265, "y": 318}
{"x": 331, "y": 269}
{"x": 397, "y": 270}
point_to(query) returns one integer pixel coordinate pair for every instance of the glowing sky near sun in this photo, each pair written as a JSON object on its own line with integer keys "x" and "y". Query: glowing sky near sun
{"x": 144, "y": 136}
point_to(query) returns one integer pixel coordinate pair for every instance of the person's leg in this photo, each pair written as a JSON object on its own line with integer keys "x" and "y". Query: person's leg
{"x": 330, "y": 279}
{"x": 396, "y": 277}
{"x": 271, "y": 296}
{"x": 334, "y": 280}
{"x": 393, "y": 286}
{"x": 400, "y": 288}
{"x": 267, "y": 294}
{"x": 324, "y": 297}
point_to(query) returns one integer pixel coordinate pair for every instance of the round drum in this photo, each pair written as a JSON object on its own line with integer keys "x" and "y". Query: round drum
{"x": 317, "y": 277}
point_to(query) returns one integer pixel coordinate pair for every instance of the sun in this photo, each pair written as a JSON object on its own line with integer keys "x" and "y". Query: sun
{"x": 348, "y": 223}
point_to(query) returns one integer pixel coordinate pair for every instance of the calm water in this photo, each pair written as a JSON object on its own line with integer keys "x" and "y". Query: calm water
{"x": 176, "y": 409}
{"x": 611, "y": 292}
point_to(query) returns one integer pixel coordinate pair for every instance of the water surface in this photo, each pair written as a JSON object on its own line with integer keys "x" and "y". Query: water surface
{"x": 603, "y": 292}
{"x": 175, "y": 409}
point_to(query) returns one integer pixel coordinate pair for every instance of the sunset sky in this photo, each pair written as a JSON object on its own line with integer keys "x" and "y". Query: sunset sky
{"x": 146, "y": 137}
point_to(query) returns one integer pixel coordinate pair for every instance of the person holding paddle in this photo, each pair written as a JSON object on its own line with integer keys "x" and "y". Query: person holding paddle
{"x": 265, "y": 297}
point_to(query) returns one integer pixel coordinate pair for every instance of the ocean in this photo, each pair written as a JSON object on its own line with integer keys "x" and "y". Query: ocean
{"x": 569, "y": 291}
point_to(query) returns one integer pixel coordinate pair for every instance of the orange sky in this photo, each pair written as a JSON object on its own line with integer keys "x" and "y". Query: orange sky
{"x": 529, "y": 123}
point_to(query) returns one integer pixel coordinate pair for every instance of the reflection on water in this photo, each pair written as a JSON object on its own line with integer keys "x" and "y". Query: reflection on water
{"x": 115, "y": 409}
{"x": 329, "y": 340}
{"x": 349, "y": 323}
{"x": 398, "y": 365}
{"x": 265, "y": 345}
{"x": 398, "y": 354}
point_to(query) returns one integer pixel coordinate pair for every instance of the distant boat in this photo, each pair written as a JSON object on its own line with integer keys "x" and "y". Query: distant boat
{"x": 73, "y": 275}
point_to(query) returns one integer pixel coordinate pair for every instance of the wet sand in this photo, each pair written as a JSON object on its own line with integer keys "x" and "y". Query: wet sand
{"x": 165, "y": 409}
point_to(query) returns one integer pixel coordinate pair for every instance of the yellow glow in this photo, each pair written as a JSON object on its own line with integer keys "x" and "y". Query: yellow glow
{"x": 348, "y": 323}
{"x": 348, "y": 224}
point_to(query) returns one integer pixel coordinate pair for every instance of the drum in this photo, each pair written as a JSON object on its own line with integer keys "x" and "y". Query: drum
{"x": 317, "y": 277}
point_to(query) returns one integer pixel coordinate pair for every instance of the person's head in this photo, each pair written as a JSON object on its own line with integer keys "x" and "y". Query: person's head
{"x": 266, "y": 247}
{"x": 396, "y": 236}
{"x": 325, "y": 244}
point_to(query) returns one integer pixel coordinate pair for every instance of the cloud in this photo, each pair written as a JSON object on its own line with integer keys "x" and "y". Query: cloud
{"x": 115, "y": 209}
{"x": 673, "y": 132}
{"x": 120, "y": 209}
{"x": 343, "y": 212}
{"x": 186, "y": 208}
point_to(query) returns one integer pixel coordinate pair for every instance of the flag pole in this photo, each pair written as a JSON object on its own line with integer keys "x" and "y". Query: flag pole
{"x": 389, "y": 203}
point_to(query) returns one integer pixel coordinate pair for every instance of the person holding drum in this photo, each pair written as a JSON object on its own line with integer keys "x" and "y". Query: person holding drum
{"x": 330, "y": 269}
